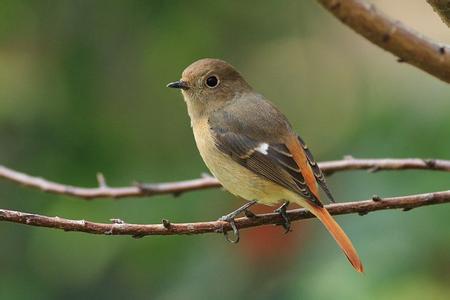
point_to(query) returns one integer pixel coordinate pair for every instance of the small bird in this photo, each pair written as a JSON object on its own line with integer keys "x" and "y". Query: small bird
{"x": 251, "y": 148}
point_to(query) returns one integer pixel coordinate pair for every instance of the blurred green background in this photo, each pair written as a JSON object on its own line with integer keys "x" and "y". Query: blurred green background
{"x": 82, "y": 90}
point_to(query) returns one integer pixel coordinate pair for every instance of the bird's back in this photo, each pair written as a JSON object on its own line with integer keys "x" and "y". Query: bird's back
{"x": 251, "y": 115}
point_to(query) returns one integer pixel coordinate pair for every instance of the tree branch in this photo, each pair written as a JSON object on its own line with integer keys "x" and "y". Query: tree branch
{"x": 176, "y": 188}
{"x": 166, "y": 228}
{"x": 409, "y": 46}
{"x": 442, "y": 8}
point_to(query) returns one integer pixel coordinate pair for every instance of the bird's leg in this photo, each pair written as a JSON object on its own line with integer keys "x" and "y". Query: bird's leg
{"x": 230, "y": 219}
{"x": 233, "y": 214}
{"x": 282, "y": 211}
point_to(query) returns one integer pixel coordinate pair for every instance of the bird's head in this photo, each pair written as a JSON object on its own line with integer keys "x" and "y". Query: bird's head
{"x": 209, "y": 84}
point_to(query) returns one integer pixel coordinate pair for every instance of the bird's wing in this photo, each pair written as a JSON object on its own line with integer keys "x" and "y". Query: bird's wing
{"x": 275, "y": 161}
{"x": 259, "y": 137}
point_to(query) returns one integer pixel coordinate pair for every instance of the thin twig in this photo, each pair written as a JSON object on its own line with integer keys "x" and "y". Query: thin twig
{"x": 178, "y": 187}
{"x": 409, "y": 46}
{"x": 167, "y": 228}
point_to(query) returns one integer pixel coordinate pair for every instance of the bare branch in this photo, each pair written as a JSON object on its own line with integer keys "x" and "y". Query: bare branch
{"x": 409, "y": 46}
{"x": 442, "y": 8}
{"x": 119, "y": 227}
{"x": 176, "y": 188}
{"x": 384, "y": 164}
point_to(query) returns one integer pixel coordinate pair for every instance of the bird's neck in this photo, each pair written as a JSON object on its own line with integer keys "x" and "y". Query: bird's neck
{"x": 196, "y": 111}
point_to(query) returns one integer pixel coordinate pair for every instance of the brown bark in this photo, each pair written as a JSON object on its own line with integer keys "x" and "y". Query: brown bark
{"x": 409, "y": 46}
{"x": 119, "y": 227}
{"x": 176, "y": 188}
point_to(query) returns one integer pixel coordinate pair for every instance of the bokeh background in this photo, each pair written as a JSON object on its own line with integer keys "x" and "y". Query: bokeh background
{"x": 82, "y": 90}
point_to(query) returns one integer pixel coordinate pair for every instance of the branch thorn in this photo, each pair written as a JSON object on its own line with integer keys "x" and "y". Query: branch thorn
{"x": 117, "y": 221}
{"x": 101, "y": 180}
{"x": 166, "y": 223}
{"x": 431, "y": 163}
{"x": 376, "y": 198}
{"x": 138, "y": 236}
{"x": 373, "y": 169}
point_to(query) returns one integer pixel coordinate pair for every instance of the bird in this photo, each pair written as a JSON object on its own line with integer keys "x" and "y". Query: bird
{"x": 250, "y": 147}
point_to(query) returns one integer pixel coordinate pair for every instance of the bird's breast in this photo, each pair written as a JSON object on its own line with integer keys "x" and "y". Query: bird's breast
{"x": 234, "y": 177}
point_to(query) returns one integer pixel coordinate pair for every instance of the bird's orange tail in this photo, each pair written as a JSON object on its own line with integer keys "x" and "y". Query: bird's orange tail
{"x": 339, "y": 235}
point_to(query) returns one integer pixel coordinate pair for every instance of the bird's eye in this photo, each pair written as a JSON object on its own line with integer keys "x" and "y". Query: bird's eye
{"x": 212, "y": 81}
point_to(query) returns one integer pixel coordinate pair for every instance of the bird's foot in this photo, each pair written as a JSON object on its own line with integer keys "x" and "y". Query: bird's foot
{"x": 230, "y": 219}
{"x": 249, "y": 214}
{"x": 282, "y": 211}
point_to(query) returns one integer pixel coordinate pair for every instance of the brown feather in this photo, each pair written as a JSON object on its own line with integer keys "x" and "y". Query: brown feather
{"x": 302, "y": 161}
{"x": 339, "y": 235}
{"x": 321, "y": 213}
{"x": 320, "y": 178}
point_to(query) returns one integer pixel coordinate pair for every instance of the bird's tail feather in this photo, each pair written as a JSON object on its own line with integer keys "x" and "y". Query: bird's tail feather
{"x": 338, "y": 234}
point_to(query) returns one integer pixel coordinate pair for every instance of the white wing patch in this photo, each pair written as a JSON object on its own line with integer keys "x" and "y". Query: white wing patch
{"x": 262, "y": 148}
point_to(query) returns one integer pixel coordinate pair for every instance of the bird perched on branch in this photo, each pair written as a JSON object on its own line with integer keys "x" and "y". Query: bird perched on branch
{"x": 250, "y": 147}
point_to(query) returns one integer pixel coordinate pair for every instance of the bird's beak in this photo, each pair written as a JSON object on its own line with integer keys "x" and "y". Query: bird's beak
{"x": 180, "y": 84}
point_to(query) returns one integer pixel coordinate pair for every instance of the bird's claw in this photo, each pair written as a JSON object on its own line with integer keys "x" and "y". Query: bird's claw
{"x": 230, "y": 219}
{"x": 234, "y": 239}
{"x": 286, "y": 222}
